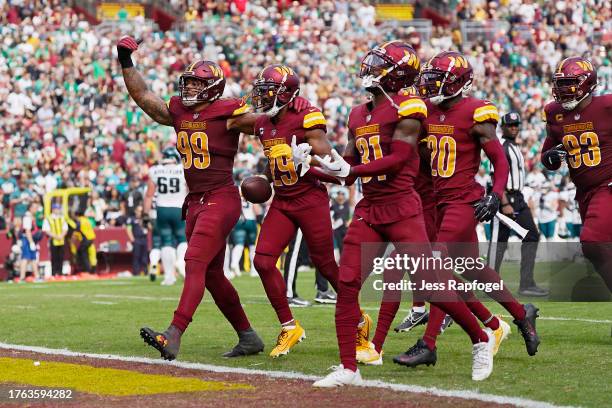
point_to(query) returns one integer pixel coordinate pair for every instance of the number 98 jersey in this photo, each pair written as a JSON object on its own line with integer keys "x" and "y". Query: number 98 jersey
{"x": 170, "y": 185}
{"x": 206, "y": 146}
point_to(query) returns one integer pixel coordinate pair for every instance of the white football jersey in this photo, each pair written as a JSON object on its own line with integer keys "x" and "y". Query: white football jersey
{"x": 248, "y": 212}
{"x": 171, "y": 189}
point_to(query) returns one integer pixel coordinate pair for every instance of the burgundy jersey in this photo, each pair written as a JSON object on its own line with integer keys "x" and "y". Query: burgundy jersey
{"x": 373, "y": 131}
{"x": 455, "y": 152}
{"x": 587, "y": 137}
{"x": 423, "y": 184}
{"x": 287, "y": 183}
{"x": 206, "y": 146}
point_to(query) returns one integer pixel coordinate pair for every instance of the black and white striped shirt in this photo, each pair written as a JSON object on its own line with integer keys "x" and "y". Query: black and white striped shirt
{"x": 516, "y": 178}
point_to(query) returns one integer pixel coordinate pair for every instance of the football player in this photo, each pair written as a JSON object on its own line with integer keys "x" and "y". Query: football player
{"x": 208, "y": 130}
{"x": 457, "y": 128}
{"x": 244, "y": 234}
{"x": 167, "y": 185}
{"x": 300, "y": 199}
{"x": 382, "y": 150}
{"x": 579, "y": 132}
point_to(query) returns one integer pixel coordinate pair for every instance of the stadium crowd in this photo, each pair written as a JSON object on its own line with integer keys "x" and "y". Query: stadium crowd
{"x": 66, "y": 119}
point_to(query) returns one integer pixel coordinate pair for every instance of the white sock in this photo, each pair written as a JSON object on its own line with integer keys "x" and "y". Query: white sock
{"x": 237, "y": 252}
{"x": 181, "y": 249}
{"x": 226, "y": 261}
{"x": 168, "y": 258}
{"x": 252, "y": 257}
{"x": 154, "y": 256}
{"x": 418, "y": 309}
{"x": 290, "y": 325}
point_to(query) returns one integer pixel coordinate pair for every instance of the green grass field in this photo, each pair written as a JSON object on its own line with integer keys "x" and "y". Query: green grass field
{"x": 573, "y": 366}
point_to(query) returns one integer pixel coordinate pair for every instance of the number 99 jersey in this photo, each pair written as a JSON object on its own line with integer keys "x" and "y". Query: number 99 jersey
{"x": 206, "y": 146}
{"x": 587, "y": 138}
{"x": 170, "y": 187}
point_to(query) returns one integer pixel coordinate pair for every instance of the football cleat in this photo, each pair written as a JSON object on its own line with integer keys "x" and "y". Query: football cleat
{"x": 527, "y": 327}
{"x": 287, "y": 339}
{"x": 167, "y": 343}
{"x": 168, "y": 282}
{"x": 327, "y": 297}
{"x": 412, "y": 320}
{"x": 500, "y": 334}
{"x": 417, "y": 355}
{"x": 363, "y": 331}
{"x": 482, "y": 357}
{"x": 248, "y": 343}
{"x": 297, "y": 302}
{"x": 446, "y": 323}
{"x": 368, "y": 355}
{"x": 339, "y": 377}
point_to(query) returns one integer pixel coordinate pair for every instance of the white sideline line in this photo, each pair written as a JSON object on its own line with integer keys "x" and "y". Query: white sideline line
{"x": 463, "y": 394}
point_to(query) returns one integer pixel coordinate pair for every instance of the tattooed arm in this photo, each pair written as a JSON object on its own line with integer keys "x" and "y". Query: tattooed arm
{"x": 153, "y": 105}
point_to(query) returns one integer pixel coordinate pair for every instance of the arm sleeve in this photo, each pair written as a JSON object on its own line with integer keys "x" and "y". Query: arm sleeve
{"x": 494, "y": 151}
{"x": 390, "y": 164}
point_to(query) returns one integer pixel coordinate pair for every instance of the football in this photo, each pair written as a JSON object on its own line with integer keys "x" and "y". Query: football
{"x": 256, "y": 189}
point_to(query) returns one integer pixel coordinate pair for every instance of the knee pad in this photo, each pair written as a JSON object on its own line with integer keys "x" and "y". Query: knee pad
{"x": 264, "y": 263}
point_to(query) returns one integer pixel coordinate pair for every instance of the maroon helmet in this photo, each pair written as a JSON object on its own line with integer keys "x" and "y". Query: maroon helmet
{"x": 391, "y": 66}
{"x": 208, "y": 87}
{"x": 445, "y": 76}
{"x": 275, "y": 86}
{"x": 573, "y": 80}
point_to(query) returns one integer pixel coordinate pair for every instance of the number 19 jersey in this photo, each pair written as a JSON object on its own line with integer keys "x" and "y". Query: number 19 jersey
{"x": 170, "y": 185}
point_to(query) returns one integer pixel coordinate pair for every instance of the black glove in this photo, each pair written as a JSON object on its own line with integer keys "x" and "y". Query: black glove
{"x": 552, "y": 159}
{"x": 487, "y": 207}
{"x": 125, "y": 47}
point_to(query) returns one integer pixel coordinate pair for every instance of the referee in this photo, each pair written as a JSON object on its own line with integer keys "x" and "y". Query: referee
{"x": 514, "y": 206}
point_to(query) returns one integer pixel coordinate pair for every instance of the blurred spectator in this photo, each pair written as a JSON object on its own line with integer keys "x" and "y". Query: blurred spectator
{"x": 138, "y": 232}
{"x": 29, "y": 250}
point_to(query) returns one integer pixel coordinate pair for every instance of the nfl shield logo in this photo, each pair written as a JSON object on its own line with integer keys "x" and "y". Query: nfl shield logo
{"x": 196, "y": 115}
{"x": 368, "y": 118}
{"x": 273, "y": 132}
{"x": 577, "y": 116}
{"x": 442, "y": 117}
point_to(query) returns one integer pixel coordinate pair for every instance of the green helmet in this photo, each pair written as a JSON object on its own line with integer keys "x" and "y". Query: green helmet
{"x": 170, "y": 154}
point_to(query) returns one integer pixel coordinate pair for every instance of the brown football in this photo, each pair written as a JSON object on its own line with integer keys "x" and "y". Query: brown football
{"x": 256, "y": 189}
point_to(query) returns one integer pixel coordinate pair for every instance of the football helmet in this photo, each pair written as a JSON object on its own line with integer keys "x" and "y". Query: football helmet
{"x": 170, "y": 155}
{"x": 390, "y": 66}
{"x": 573, "y": 80}
{"x": 445, "y": 76}
{"x": 208, "y": 85}
{"x": 275, "y": 87}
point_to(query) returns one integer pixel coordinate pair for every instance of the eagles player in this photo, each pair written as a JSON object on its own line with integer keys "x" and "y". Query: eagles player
{"x": 167, "y": 186}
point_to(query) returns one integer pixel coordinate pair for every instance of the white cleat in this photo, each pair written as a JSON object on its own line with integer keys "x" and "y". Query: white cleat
{"x": 168, "y": 282}
{"x": 482, "y": 358}
{"x": 339, "y": 377}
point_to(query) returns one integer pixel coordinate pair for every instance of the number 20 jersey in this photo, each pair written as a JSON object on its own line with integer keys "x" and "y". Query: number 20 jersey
{"x": 206, "y": 146}
{"x": 170, "y": 185}
{"x": 587, "y": 138}
{"x": 455, "y": 152}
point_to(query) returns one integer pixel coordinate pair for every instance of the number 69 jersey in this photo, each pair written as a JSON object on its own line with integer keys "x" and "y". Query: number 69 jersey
{"x": 587, "y": 138}
{"x": 206, "y": 146}
{"x": 170, "y": 185}
{"x": 455, "y": 152}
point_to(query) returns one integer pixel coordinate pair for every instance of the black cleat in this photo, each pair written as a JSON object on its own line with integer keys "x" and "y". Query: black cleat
{"x": 417, "y": 355}
{"x": 446, "y": 323}
{"x": 527, "y": 327}
{"x": 412, "y": 320}
{"x": 167, "y": 343}
{"x": 248, "y": 343}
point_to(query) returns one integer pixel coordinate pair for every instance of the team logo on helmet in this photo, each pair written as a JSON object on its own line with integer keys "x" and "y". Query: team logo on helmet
{"x": 573, "y": 81}
{"x": 389, "y": 67}
{"x": 202, "y": 81}
{"x": 445, "y": 76}
{"x": 275, "y": 87}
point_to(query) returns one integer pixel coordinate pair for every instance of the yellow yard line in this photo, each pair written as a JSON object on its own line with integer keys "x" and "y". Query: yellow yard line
{"x": 103, "y": 381}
